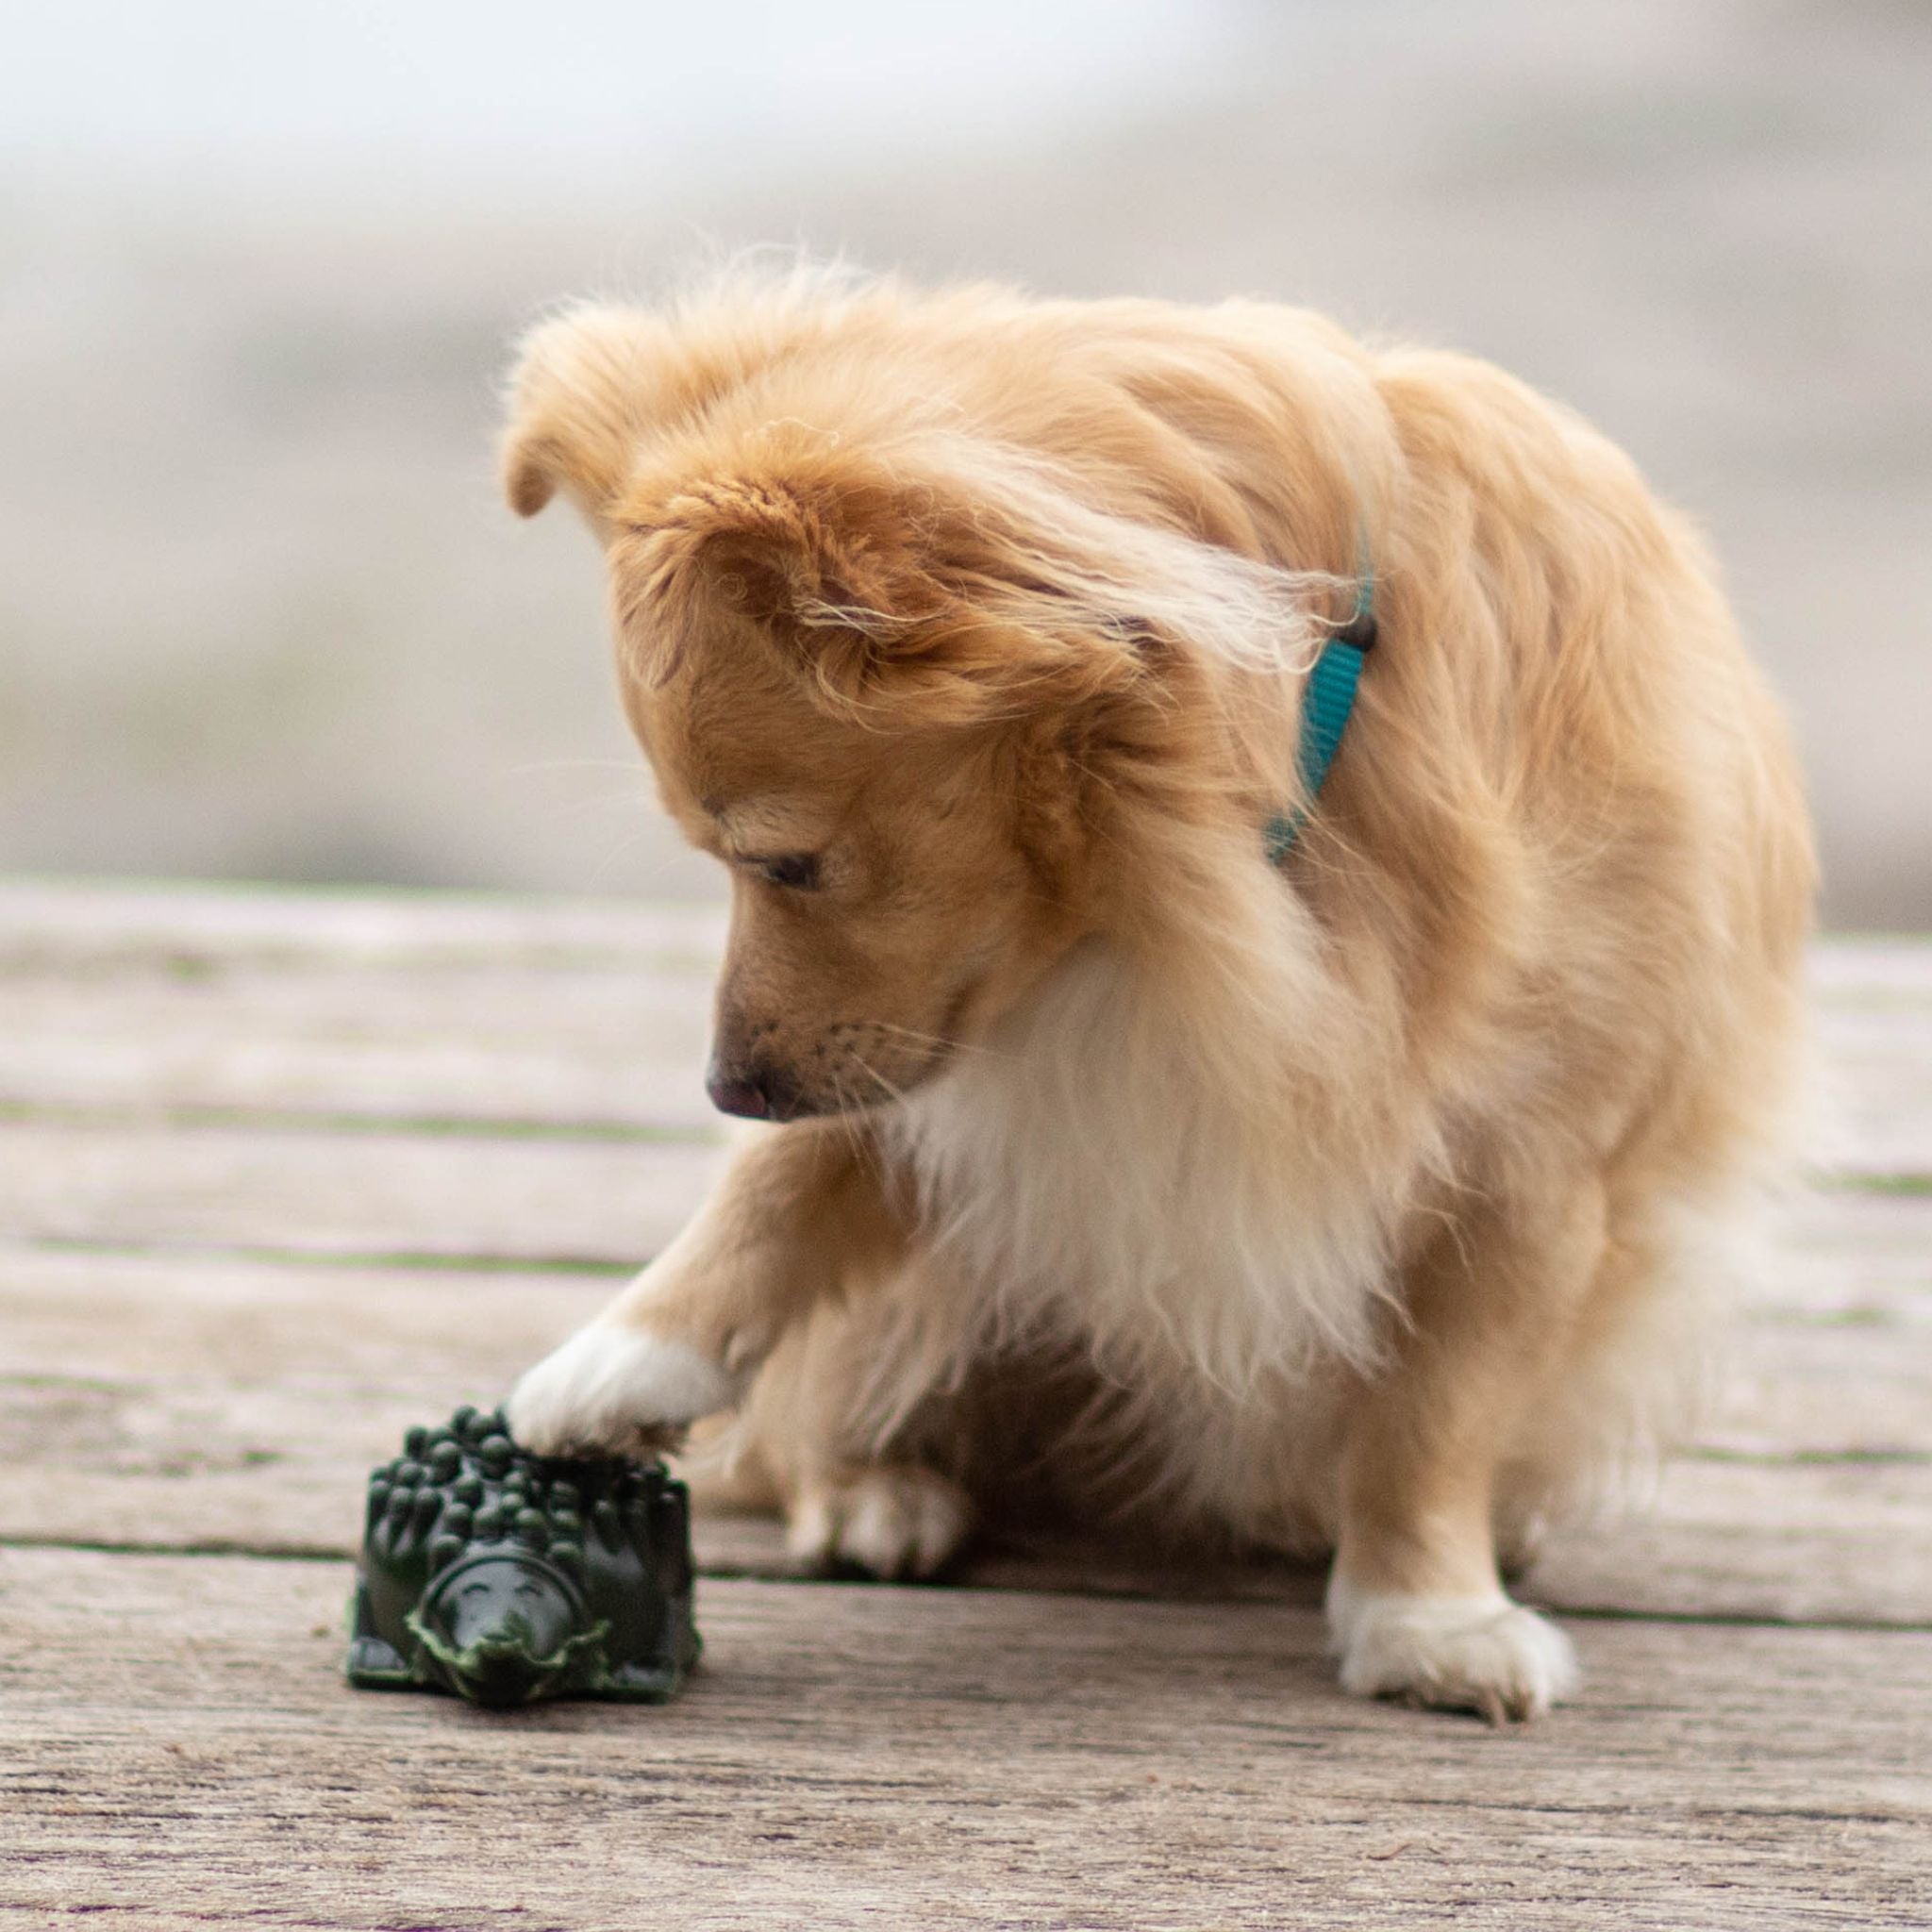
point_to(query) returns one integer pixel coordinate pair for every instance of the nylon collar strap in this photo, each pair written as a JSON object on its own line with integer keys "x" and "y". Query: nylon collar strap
{"x": 1327, "y": 699}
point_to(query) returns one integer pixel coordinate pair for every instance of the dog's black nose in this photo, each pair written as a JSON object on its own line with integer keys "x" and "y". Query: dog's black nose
{"x": 745, "y": 1098}
{"x": 754, "y": 1093}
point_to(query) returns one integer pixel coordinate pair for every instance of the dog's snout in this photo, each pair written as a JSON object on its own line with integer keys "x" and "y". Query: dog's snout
{"x": 755, "y": 1091}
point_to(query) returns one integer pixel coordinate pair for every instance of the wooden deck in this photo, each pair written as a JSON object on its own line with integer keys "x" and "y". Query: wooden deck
{"x": 281, "y": 1173}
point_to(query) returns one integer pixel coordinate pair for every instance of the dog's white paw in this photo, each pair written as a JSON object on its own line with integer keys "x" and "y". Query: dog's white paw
{"x": 1484, "y": 1654}
{"x": 614, "y": 1389}
{"x": 897, "y": 1522}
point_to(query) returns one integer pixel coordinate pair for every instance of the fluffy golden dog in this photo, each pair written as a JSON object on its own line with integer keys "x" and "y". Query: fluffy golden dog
{"x": 1337, "y": 1197}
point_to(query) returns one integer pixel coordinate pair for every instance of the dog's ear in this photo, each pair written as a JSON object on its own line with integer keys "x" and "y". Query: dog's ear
{"x": 580, "y": 396}
{"x": 846, "y": 570}
{"x": 954, "y": 581}
{"x": 801, "y": 549}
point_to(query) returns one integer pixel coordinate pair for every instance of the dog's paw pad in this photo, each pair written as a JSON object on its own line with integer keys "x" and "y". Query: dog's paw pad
{"x": 612, "y": 1390}
{"x": 890, "y": 1523}
{"x": 1482, "y": 1653}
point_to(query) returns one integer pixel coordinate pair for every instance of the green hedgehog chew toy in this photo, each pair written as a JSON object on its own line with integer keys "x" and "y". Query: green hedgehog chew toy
{"x": 507, "y": 1577}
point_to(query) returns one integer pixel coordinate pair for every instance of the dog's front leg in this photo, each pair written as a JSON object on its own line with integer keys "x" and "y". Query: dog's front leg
{"x": 797, "y": 1212}
{"x": 1416, "y": 1605}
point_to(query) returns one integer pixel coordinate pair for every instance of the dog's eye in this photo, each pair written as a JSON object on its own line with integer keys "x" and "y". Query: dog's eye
{"x": 798, "y": 871}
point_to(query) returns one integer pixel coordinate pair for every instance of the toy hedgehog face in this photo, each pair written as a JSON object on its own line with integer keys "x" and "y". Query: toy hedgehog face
{"x": 506, "y": 1626}
{"x": 504, "y": 1577}
{"x": 473, "y": 1601}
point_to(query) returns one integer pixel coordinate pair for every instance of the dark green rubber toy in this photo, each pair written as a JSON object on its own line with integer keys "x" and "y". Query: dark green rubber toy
{"x": 507, "y": 1577}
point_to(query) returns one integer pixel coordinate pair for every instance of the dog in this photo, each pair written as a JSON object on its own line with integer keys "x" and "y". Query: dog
{"x": 1321, "y": 1159}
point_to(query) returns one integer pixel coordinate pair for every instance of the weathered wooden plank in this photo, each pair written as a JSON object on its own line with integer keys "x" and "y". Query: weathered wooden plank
{"x": 1797, "y": 1382}
{"x": 165, "y": 1404}
{"x": 1890, "y": 970}
{"x": 1754, "y": 1543}
{"x": 79, "y": 923}
{"x": 568, "y": 1048}
{"x": 211, "y": 1401}
{"x": 180, "y": 1750}
{"x": 411, "y": 1007}
{"x": 557, "y": 1045}
{"x": 1872, "y": 1103}
{"x": 69, "y": 924}
{"x": 448, "y": 1189}
{"x": 567, "y": 1044}
{"x": 305, "y": 1190}
{"x": 401, "y": 1007}
{"x": 1809, "y": 1543}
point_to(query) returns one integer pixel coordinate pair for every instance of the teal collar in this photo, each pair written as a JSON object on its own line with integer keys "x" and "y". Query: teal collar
{"x": 1327, "y": 699}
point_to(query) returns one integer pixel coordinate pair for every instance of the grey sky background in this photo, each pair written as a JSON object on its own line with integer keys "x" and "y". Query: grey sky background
{"x": 261, "y": 616}
{"x": 682, "y": 97}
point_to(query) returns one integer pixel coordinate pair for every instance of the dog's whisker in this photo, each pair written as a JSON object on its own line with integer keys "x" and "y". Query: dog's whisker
{"x": 872, "y": 1073}
{"x": 940, "y": 1040}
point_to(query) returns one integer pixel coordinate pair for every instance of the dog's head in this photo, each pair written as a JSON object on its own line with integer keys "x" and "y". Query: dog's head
{"x": 896, "y": 676}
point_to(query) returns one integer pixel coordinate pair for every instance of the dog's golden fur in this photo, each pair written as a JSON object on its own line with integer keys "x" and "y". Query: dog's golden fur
{"x": 1340, "y": 1204}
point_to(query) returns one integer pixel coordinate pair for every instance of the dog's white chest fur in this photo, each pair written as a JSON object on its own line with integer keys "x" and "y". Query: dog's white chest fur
{"x": 1093, "y": 1181}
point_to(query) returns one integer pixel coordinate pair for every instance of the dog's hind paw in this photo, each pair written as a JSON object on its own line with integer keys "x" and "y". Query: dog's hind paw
{"x": 1484, "y": 1654}
{"x": 891, "y": 1522}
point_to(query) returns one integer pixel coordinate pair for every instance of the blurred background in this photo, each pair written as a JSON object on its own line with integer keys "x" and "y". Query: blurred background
{"x": 261, "y": 615}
